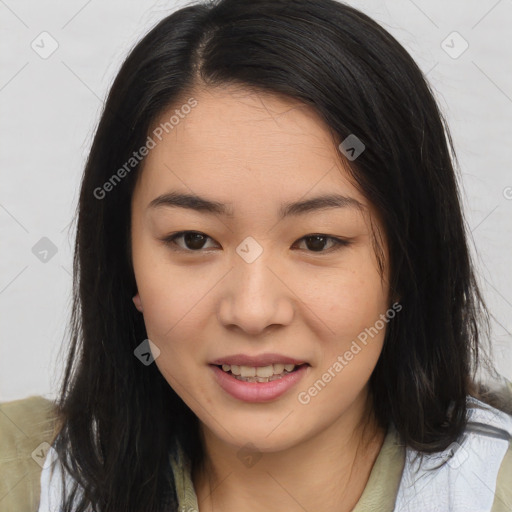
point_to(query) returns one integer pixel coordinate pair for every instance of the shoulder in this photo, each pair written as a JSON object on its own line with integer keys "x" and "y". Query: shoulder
{"x": 471, "y": 474}
{"x": 503, "y": 497}
{"x": 492, "y": 429}
{"x": 27, "y": 429}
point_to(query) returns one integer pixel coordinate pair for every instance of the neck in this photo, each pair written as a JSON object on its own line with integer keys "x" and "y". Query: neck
{"x": 325, "y": 471}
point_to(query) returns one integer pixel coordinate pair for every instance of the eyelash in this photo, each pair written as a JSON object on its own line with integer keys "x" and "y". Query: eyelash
{"x": 170, "y": 241}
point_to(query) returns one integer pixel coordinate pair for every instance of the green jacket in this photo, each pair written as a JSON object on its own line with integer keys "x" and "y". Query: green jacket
{"x": 28, "y": 427}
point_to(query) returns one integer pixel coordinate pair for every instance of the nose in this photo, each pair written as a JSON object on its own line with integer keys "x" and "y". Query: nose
{"x": 255, "y": 298}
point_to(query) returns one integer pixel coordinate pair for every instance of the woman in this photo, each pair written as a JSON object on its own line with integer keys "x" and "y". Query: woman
{"x": 275, "y": 306}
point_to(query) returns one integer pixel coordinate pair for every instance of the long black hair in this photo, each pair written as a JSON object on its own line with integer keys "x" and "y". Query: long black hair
{"x": 119, "y": 419}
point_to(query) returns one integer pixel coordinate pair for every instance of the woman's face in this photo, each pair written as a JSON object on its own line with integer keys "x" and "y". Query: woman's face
{"x": 254, "y": 280}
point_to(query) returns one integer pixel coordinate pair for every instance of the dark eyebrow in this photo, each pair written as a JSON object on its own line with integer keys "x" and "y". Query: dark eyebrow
{"x": 324, "y": 202}
{"x": 191, "y": 202}
{"x": 201, "y": 204}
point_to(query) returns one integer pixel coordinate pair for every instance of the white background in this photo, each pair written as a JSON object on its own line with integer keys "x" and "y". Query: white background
{"x": 50, "y": 108}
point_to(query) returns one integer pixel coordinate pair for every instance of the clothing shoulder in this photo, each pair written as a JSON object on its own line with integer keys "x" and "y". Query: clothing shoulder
{"x": 495, "y": 425}
{"x": 503, "y": 497}
{"x": 471, "y": 474}
{"x": 27, "y": 428}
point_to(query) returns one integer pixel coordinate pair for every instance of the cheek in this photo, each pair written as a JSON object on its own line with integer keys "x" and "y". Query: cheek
{"x": 347, "y": 299}
{"x": 170, "y": 293}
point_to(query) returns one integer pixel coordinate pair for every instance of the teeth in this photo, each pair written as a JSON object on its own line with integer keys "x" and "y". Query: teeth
{"x": 259, "y": 379}
{"x": 261, "y": 373}
{"x": 265, "y": 371}
{"x": 247, "y": 371}
{"x": 278, "y": 368}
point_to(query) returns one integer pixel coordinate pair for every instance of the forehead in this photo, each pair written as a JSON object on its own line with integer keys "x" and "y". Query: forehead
{"x": 237, "y": 142}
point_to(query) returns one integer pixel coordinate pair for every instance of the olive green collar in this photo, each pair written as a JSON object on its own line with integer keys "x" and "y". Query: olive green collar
{"x": 379, "y": 494}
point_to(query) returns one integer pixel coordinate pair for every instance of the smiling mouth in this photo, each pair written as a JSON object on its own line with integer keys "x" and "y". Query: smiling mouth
{"x": 267, "y": 373}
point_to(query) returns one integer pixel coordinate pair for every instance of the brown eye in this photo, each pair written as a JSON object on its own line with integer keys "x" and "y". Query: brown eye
{"x": 193, "y": 241}
{"x": 318, "y": 242}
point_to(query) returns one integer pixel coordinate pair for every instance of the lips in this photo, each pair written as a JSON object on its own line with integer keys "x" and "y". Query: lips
{"x": 259, "y": 391}
{"x": 258, "y": 360}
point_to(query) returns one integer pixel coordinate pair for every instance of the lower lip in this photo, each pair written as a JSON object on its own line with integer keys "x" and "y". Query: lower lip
{"x": 258, "y": 391}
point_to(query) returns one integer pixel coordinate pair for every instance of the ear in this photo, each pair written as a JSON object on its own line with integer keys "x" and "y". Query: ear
{"x": 138, "y": 302}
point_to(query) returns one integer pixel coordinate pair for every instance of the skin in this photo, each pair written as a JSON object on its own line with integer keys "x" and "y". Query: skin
{"x": 255, "y": 151}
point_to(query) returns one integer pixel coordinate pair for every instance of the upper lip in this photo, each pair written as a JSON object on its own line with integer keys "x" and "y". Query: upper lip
{"x": 259, "y": 360}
